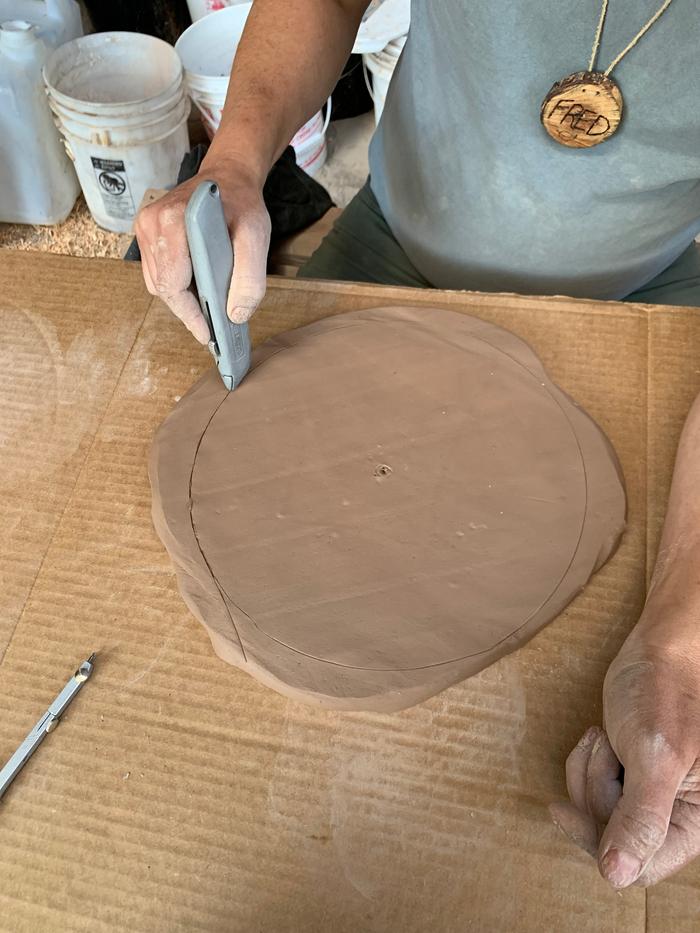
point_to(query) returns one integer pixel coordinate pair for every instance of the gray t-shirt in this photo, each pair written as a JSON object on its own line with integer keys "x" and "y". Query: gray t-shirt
{"x": 476, "y": 192}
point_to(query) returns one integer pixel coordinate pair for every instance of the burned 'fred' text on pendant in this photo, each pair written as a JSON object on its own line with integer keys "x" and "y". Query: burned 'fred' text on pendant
{"x": 582, "y": 110}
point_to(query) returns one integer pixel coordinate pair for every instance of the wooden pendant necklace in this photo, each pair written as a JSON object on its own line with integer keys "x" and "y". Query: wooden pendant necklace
{"x": 585, "y": 108}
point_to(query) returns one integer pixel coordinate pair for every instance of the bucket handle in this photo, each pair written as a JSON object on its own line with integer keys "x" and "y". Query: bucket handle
{"x": 329, "y": 107}
{"x": 61, "y": 132}
{"x": 368, "y": 80}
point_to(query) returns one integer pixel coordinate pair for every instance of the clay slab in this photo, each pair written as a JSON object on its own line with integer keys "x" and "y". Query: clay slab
{"x": 391, "y": 501}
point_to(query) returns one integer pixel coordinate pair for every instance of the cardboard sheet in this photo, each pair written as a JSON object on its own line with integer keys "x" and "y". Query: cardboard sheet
{"x": 58, "y": 368}
{"x": 178, "y": 794}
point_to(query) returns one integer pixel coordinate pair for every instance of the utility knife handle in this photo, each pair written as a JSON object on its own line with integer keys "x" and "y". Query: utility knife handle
{"x": 212, "y": 264}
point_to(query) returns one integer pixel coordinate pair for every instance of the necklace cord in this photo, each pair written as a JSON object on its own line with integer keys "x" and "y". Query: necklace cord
{"x": 599, "y": 32}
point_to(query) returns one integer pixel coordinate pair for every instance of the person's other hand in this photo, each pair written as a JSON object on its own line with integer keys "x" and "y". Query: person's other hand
{"x": 643, "y": 823}
{"x": 165, "y": 258}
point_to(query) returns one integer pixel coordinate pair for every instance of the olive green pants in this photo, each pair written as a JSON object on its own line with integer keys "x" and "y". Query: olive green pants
{"x": 362, "y": 248}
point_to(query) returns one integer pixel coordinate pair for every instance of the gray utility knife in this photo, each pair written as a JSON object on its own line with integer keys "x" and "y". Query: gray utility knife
{"x": 212, "y": 263}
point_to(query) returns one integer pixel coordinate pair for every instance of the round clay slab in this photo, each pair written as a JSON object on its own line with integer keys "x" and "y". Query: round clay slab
{"x": 391, "y": 500}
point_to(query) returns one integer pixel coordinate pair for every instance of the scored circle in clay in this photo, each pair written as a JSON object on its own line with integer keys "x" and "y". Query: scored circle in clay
{"x": 390, "y": 501}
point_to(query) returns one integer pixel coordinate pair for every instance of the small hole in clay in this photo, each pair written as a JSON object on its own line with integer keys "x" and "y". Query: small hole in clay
{"x": 382, "y": 469}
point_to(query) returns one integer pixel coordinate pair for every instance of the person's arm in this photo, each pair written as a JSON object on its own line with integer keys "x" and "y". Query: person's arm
{"x": 288, "y": 61}
{"x": 671, "y": 618}
{"x": 648, "y": 826}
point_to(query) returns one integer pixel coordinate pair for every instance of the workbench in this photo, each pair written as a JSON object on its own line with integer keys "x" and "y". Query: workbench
{"x": 178, "y": 793}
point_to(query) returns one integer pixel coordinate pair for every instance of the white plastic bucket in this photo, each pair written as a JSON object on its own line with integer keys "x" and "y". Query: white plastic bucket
{"x": 316, "y": 126}
{"x": 384, "y": 21}
{"x": 120, "y": 103}
{"x": 109, "y": 132}
{"x": 309, "y": 143}
{"x": 312, "y": 158}
{"x": 114, "y": 174}
{"x": 381, "y": 66}
{"x": 207, "y": 49}
{"x": 114, "y": 72}
{"x": 99, "y": 122}
{"x": 200, "y": 8}
{"x": 310, "y": 147}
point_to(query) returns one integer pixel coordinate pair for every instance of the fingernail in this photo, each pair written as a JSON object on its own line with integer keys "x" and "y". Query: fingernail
{"x": 588, "y": 737}
{"x": 620, "y": 868}
{"x": 555, "y": 819}
{"x": 239, "y": 315}
{"x": 200, "y": 334}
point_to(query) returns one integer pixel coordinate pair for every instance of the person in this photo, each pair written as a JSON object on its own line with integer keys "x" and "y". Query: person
{"x": 468, "y": 190}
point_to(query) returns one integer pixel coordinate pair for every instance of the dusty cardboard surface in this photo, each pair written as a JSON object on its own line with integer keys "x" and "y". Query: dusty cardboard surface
{"x": 58, "y": 368}
{"x": 180, "y": 795}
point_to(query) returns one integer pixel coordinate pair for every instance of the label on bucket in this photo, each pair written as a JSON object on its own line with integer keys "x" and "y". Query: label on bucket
{"x": 114, "y": 187}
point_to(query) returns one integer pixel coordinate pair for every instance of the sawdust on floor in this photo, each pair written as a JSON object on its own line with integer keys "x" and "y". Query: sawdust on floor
{"x": 78, "y": 235}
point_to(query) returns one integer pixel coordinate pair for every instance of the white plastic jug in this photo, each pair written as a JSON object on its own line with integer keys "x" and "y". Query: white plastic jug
{"x": 56, "y": 21}
{"x": 37, "y": 182}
